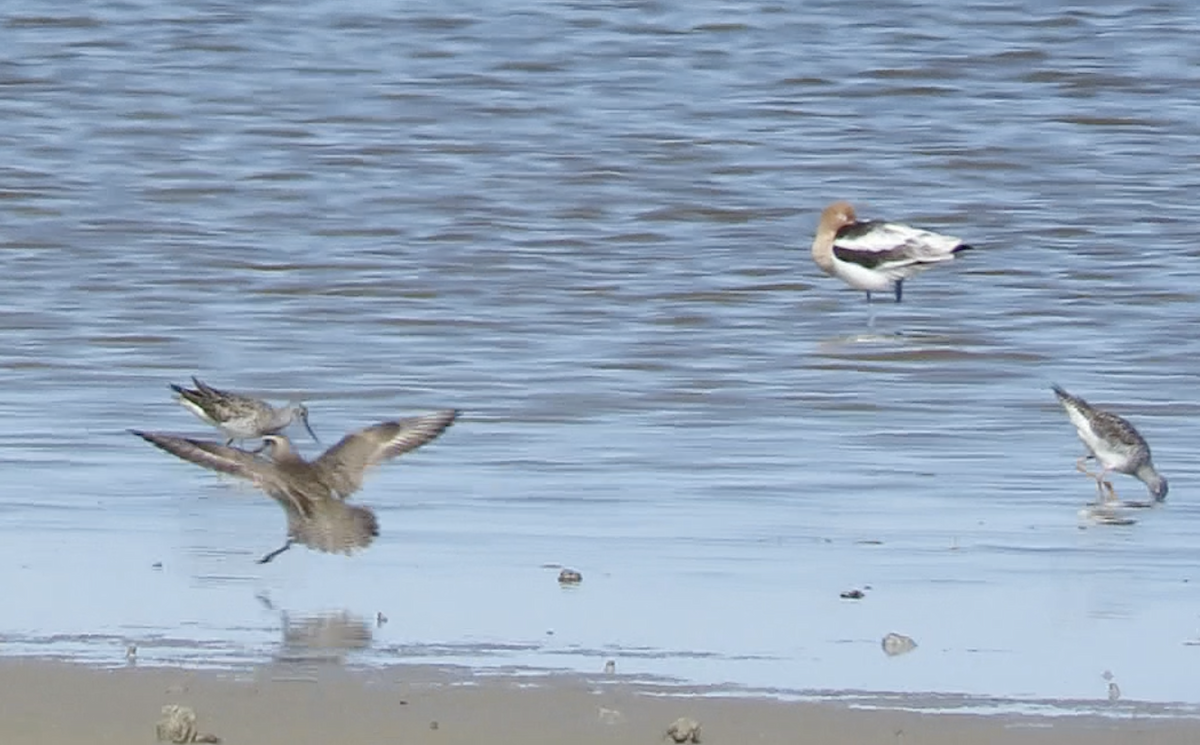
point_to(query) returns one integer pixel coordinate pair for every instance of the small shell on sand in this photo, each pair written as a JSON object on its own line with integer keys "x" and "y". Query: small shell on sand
{"x": 897, "y": 644}
{"x": 609, "y": 716}
{"x": 683, "y": 729}
{"x": 569, "y": 577}
{"x": 178, "y": 725}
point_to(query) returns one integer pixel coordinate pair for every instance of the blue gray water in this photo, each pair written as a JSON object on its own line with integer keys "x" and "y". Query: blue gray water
{"x": 587, "y": 226}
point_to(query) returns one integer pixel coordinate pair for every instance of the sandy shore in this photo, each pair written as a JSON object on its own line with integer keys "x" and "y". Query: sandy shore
{"x": 58, "y": 703}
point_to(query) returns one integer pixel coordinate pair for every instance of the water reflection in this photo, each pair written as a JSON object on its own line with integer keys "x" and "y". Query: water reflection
{"x": 324, "y": 636}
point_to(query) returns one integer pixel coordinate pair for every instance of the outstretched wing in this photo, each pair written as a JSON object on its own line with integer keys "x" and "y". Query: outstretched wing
{"x": 343, "y": 465}
{"x": 235, "y": 462}
{"x": 893, "y": 248}
{"x": 212, "y": 455}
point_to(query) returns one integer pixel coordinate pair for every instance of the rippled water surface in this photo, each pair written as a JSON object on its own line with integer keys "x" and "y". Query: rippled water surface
{"x": 587, "y": 226}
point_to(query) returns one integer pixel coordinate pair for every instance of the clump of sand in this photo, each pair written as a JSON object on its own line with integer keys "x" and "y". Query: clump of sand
{"x": 684, "y": 729}
{"x": 178, "y": 725}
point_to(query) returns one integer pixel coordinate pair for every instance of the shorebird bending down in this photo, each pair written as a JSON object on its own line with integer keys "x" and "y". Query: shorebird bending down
{"x": 239, "y": 417}
{"x": 876, "y": 256}
{"x": 313, "y": 493}
{"x": 1114, "y": 443}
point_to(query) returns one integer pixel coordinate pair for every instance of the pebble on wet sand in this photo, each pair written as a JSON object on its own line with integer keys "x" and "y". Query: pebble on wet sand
{"x": 178, "y": 725}
{"x": 898, "y": 644}
{"x": 609, "y": 716}
{"x": 683, "y": 729}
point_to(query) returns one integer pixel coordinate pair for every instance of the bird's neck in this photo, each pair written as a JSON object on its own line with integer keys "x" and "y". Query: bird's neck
{"x": 822, "y": 250}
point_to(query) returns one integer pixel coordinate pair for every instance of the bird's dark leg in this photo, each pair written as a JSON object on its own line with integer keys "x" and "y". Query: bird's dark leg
{"x": 899, "y": 289}
{"x": 868, "y": 296}
{"x": 229, "y": 442}
{"x": 276, "y": 552}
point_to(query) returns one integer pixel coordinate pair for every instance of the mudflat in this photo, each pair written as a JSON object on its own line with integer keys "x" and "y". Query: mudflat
{"x": 61, "y": 703}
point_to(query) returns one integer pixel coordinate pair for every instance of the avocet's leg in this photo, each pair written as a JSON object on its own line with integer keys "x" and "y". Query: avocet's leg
{"x": 899, "y": 289}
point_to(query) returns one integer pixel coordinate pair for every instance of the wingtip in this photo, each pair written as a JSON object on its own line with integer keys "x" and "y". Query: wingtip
{"x": 147, "y": 436}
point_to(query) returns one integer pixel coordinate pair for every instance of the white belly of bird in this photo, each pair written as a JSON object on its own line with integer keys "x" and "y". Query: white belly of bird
{"x": 1109, "y": 458}
{"x": 861, "y": 278}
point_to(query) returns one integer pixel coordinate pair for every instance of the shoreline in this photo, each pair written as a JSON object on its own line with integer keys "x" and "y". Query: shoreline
{"x": 58, "y": 702}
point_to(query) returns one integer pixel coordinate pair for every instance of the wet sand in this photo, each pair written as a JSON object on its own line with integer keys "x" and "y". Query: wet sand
{"x": 56, "y": 703}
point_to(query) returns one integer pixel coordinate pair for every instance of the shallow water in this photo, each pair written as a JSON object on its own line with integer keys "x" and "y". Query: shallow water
{"x": 587, "y": 226}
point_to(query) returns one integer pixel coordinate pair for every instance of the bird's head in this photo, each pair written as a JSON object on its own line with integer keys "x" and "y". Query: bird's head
{"x": 302, "y": 414}
{"x": 838, "y": 215}
{"x": 276, "y": 446}
{"x": 1158, "y": 487}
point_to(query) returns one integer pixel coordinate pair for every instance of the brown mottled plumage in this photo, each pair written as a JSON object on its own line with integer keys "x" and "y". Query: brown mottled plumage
{"x": 240, "y": 417}
{"x": 1112, "y": 441}
{"x": 313, "y": 493}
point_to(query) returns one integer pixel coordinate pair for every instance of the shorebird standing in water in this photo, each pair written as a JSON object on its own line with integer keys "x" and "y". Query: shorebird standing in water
{"x": 1114, "y": 443}
{"x": 239, "y": 417}
{"x": 313, "y": 493}
{"x": 876, "y": 256}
